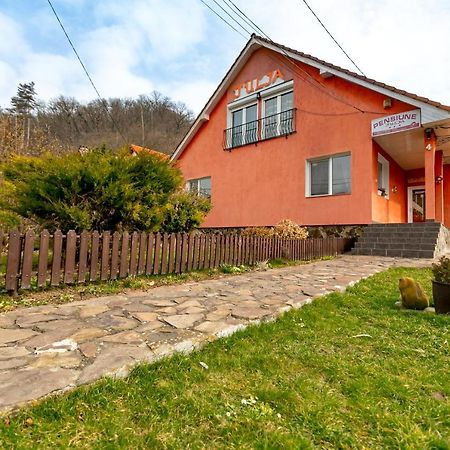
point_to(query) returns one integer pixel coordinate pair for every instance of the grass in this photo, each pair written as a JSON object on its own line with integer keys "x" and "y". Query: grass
{"x": 68, "y": 293}
{"x": 348, "y": 371}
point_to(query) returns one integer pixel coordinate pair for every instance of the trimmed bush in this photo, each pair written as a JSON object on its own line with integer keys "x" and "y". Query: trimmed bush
{"x": 99, "y": 190}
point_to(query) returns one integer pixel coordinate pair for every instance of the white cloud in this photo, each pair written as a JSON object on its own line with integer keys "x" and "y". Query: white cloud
{"x": 194, "y": 93}
{"x": 180, "y": 48}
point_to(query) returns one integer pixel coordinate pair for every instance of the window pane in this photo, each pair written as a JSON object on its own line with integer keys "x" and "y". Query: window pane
{"x": 270, "y": 106}
{"x": 287, "y": 101}
{"x": 193, "y": 185}
{"x": 205, "y": 187}
{"x": 251, "y": 124}
{"x": 319, "y": 177}
{"x": 341, "y": 174}
{"x": 236, "y": 131}
{"x": 237, "y": 118}
{"x": 271, "y": 120}
{"x": 250, "y": 114}
{"x": 380, "y": 175}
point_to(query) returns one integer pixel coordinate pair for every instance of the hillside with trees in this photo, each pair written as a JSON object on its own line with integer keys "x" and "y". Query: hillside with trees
{"x": 30, "y": 126}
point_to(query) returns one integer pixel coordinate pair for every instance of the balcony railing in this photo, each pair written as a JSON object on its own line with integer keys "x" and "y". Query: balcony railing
{"x": 280, "y": 124}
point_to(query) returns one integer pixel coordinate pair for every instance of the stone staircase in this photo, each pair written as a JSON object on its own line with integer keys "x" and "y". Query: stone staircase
{"x": 407, "y": 240}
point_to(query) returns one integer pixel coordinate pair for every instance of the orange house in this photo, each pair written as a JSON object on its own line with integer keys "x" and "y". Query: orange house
{"x": 286, "y": 135}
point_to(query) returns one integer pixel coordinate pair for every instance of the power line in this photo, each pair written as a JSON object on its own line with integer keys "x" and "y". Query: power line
{"x": 230, "y": 16}
{"x": 228, "y": 23}
{"x": 246, "y": 18}
{"x": 102, "y": 100}
{"x": 332, "y": 37}
{"x": 296, "y": 68}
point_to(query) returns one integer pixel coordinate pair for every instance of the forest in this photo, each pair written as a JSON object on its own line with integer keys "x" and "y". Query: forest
{"x": 30, "y": 126}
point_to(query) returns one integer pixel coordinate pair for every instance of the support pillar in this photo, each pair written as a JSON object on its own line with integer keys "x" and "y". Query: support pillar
{"x": 439, "y": 186}
{"x": 430, "y": 183}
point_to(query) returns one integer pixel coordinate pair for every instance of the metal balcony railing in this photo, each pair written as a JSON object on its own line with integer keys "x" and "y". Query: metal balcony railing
{"x": 280, "y": 124}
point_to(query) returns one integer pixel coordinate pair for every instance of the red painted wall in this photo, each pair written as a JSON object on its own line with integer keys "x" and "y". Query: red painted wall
{"x": 446, "y": 185}
{"x": 394, "y": 208}
{"x": 264, "y": 183}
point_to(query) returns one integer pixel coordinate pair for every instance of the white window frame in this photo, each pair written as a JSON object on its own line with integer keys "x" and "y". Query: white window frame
{"x": 188, "y": 186}
{"x": 385, "y": 176}
{"x": 244, "y": 106}
{"x": 330, "y": 175}
{"x": 276, "y": 91}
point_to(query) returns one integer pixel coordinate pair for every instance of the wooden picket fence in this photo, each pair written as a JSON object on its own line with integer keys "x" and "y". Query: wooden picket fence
{"x": 28, "y": 260}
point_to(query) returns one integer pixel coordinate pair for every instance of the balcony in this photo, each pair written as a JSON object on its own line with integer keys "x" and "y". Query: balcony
{"x": 281, "y": 124}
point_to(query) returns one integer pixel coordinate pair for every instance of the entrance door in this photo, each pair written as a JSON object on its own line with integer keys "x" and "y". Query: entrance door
{"x": 416, "y": 202}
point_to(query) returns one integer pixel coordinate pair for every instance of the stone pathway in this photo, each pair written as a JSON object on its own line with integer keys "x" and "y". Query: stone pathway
{"x": 52, "y": 348}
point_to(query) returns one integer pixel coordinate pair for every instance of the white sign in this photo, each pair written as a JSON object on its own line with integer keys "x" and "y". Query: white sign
{"x": 395, "y": 123}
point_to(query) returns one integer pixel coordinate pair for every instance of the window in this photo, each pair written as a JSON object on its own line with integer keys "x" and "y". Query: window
{"x": 278, "y": 115}
{"x": 201, "y": 186}
{"x": 383, "y": 176}
{"x": 244, "y": 123}
{"x": 328, "y": 176}
{"x": 260, "y": 115}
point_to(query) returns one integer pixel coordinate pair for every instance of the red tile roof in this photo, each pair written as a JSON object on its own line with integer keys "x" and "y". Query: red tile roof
{"x": 137, "y": 148}
{"x": 356, "y": 75}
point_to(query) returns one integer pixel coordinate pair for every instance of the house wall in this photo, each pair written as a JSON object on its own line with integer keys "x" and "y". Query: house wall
{"x": 257, "y": 185}
{"x": 394, "y": 208}
{"x": 446, "y": 184}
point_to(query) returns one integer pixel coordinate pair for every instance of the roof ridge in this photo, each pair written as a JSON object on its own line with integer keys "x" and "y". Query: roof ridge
{"x": 354, "y": 74}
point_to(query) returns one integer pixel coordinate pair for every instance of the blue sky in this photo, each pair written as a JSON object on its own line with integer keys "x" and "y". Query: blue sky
{"x": 181, "y": 49}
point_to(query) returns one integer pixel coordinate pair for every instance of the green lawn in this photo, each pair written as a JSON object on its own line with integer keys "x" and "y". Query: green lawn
{"x": 312, "y": 379}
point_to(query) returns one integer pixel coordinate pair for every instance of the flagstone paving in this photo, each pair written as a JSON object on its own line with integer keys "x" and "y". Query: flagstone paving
{"x": 52, "y": 348}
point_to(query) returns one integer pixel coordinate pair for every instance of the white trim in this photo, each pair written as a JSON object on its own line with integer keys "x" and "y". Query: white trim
{"x": 278, "y": 89}
{"x": 430, "y": 113}
{"x": 243, "y": 107}
{"x": 386, "y": 175}
{"x": 410, "y": 190}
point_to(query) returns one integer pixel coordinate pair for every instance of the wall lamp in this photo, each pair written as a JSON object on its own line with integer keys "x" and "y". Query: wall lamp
{"x": 394, "y": 189}
{"x": 439, "y": 179}
{"x": 428, "y": 133}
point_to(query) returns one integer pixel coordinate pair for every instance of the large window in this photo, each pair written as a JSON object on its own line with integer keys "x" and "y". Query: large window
{"x": 264, "y": 114}
{"x": 200, "y": 186}
{"x": 329, "y": 176}
{"x": 244, "y": 124}
{"x": 278, "y": 115}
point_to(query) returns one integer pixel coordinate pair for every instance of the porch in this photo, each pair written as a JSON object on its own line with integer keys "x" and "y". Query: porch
{"x": 412, "y": 166}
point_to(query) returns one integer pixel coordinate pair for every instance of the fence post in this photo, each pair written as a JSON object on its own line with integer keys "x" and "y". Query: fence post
{"x": 71, "y": 250}
{"x": 43, "y": 258}
{"x": 13, "y": 262}
{"x": 27, "y": 259}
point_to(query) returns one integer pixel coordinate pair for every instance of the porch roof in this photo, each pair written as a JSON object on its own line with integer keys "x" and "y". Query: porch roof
{"x": 407, "y": 147}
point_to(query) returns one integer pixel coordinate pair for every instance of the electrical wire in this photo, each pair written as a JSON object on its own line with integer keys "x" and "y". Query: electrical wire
{"x": 230, "y": 16}
{"x": 332, "y": 37}
{"x": 228, "y": 23}
{"x": 247, "y": 19}
{"x": 102, "y": 100}
{"x": 310, "y": 79}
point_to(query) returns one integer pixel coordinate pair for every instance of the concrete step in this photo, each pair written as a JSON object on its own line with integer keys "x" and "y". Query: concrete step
{"x": 416, "y": 240}
{"x": 394, "y": 253}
